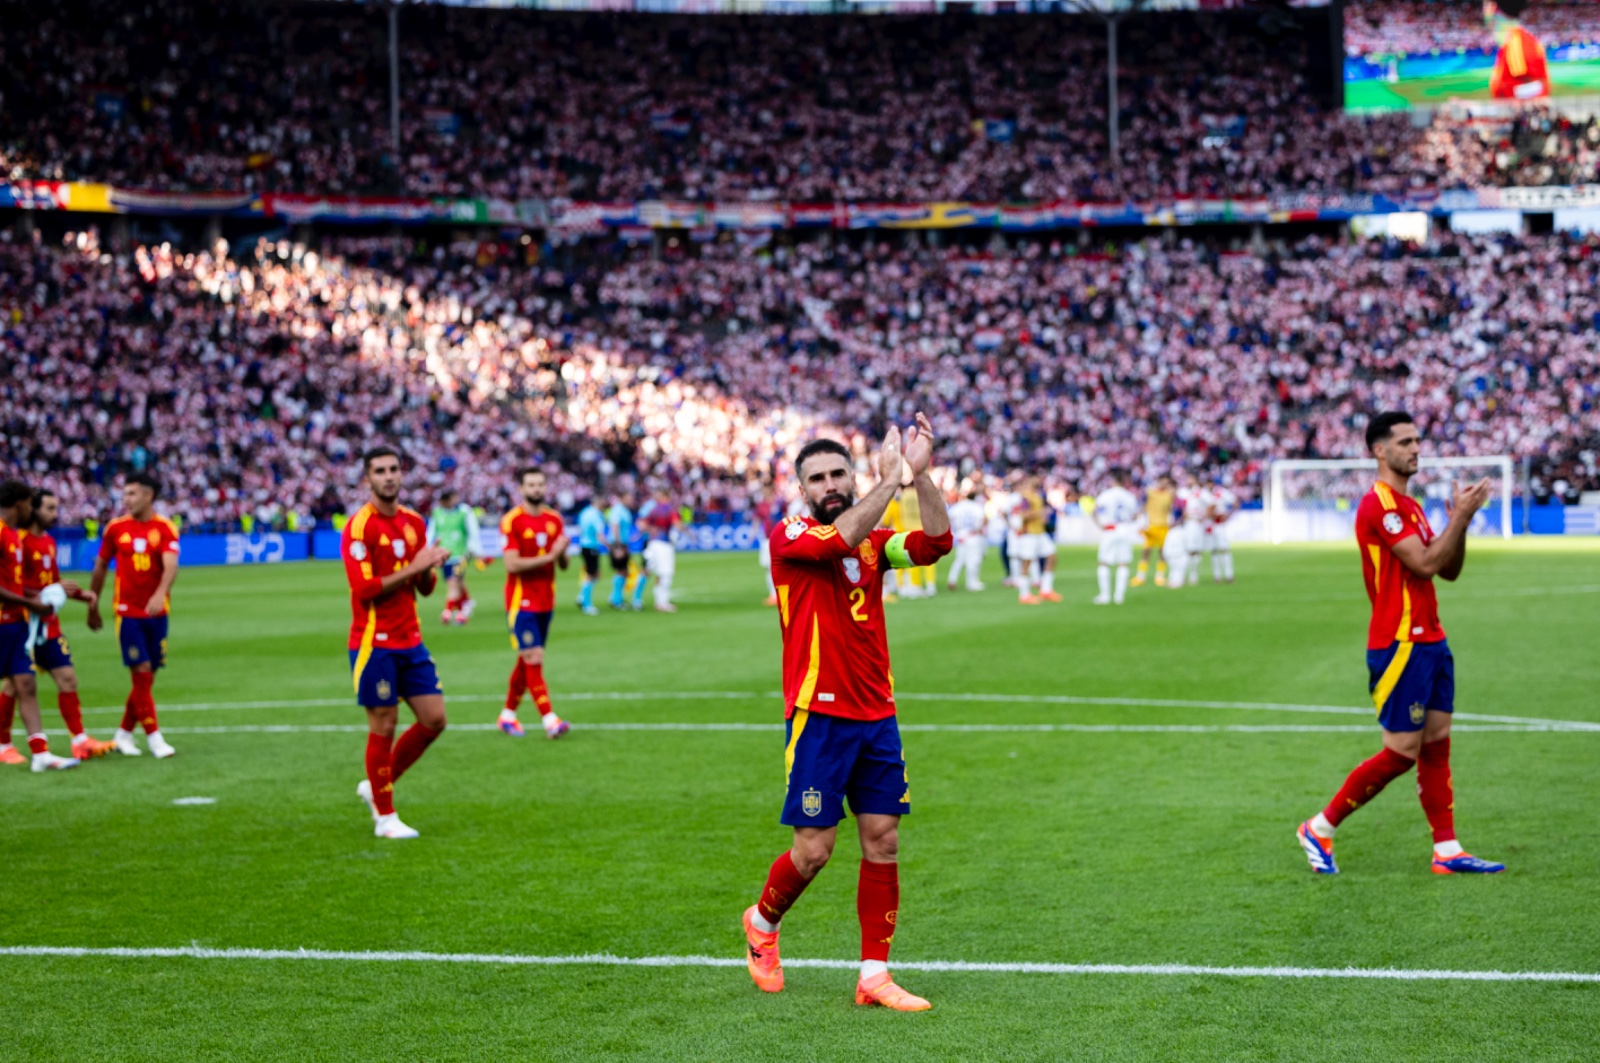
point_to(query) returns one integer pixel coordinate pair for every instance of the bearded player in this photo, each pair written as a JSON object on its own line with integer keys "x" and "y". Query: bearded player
{"x": 536, "y": 545}
{"x": 843, "y": 741}
{"x": 16, "y": 605}
{"x": 387, "y": 562}
{"x": 1412, "y": 675}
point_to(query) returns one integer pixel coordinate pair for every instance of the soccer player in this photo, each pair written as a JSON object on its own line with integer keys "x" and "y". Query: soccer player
{"x": 1221, "y": 503}
{"x": 966, "y": 525}
{"x": 1157, "y": 521}
{"x": 536, "y": 545}
{"x": 619, "y": 529}
{"x": 387, "y": 561}
{"x": 591, "y": 544}
{"x": 16, "y": 602}
{"x": 50, "y": 651}
{"x": 843, "y": 741}
{"x": 454, "y": 525}
{"x": 660, "y": 557}
{"x": 144, "y": 545}
{"x": 1410, "y": 669}
{"x": 1035, "y": 546}
{"x": 1116, "y": 510}
{"x": 1521, "y": 71}
{"x": 1196, "y": 503}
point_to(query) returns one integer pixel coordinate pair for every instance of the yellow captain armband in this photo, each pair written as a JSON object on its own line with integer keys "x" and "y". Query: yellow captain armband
{"x": 895, "y": 550}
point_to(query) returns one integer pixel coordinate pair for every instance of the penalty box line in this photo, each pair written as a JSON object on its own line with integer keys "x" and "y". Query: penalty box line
{"x": 603, "y": 959}
{"x": 999, "y": 699}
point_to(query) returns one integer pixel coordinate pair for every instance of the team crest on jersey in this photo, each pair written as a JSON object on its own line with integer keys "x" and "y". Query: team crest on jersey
{"x": 399, "y": 548}
{"x": 155, "y": 539}
{"x": 794, "y": 529}
{"x": 384, "y": 689}
{"x": 140, "y": 546}
{"x": 811, "y": 802}
{"x": 411, "y": 535}
{"x": 852, "y": 570}
{"x": 358, "y": 550}
{"x": 1393, "y": 523}
{"x": 869, "y": 554}
{"x": 541, "y": 539}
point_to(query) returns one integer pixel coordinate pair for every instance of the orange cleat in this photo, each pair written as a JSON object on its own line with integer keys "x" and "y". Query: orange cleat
{"x": 771, "y": 602}
{"x": 90, "y": 748}
{"x": 882, "y": 990}
{"x": 1049, "y": 596}
{"x": 9, "y": 755}
{"x": 1028, "y": 599}
{"x": 766, "y": 968}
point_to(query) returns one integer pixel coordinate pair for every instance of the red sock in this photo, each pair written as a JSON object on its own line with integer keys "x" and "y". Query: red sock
{"x": 517, "y": 687}
{"x": 378, "y": 773}
{"x": 71, "y": 711}
{"x": 129, "y": 715}
{"x": 39, "y": 743}
{"x": 877, "y": 906}
{"x": 783, "y": 888}
{"x": 534, "y": 675}
{"x": 144, "y": 702}
{"x": 1369, "y": 778}
{"x": 8, "y": 711}
{"x": 1435, "y": 787}
{"x": 451, "y": 603}
{"x": 412, "y": 745}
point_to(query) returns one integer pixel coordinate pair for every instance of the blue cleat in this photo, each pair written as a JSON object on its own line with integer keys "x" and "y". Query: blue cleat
{"x": 1319, "y": 850}
{"x": 511, "y": 725}
{"x": 1465, "y": 864}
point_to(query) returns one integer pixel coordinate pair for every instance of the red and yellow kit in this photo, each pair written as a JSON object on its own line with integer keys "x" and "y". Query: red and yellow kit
{"x": 375, "y": 546}
{"x": 39, "y": 570}
{"x": 830, "y": 605}
{"x": 137, "y": 546}
{"x": 1404, "y": 607}
{"x": 1520, "y": 69}
{"x": 11, "y": 575}
{"x": 531, "y": 534}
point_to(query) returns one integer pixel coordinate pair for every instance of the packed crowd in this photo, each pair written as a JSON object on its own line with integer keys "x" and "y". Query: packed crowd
{"x": 293, "y": 97}
{"x": 1387, "y": 27}
{"x": 252, "y": 382}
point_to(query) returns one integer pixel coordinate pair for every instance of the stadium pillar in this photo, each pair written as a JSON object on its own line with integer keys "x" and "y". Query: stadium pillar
{"x": 394, "y": 83}
{"x": 1111, "y": 92}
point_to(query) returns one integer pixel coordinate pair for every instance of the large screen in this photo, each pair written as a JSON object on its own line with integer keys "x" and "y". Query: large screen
{"x": 1418, "y": 53}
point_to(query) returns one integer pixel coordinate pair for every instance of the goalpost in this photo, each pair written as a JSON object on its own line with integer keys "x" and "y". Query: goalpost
{"x": 1311, "y": 500}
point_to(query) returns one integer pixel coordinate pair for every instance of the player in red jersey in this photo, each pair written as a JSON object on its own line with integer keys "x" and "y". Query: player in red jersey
{"x": 1411, "y": 672}
{"x": 50, "y": 650}
{"x": 387, "y": 561}
{"x": 144, "y": 545}
{"x": 843, "y": 741}
{"x": 536, "y": 545}
{"x": 16, "y": 605}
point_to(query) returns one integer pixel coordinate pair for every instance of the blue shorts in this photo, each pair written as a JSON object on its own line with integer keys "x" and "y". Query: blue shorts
{"x": 144, "y": 640}
{"x": 829, "y": 759}
{"x": 454, "y": 567}
{"x": 529, "y": 630}
{"x": 1410, "y": 679}
{"x": 50, "y": 654}
{"x": 386, "y": 676}
{"x": 14, "y": 650}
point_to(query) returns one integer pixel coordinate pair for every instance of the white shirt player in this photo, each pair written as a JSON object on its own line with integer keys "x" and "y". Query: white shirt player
{"x": 1116, "y": 507}
{"x": 1222, "y": 504}
{"x": 1196, "y": 504}
{"x": 966, "y": 520}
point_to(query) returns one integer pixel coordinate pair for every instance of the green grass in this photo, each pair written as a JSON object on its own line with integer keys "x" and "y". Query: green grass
{"x": 1119, "y": 847}
{"x": 1566, "y": 79}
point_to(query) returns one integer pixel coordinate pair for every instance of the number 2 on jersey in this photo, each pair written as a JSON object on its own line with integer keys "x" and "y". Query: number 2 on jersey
{"x": 858, "y": 605}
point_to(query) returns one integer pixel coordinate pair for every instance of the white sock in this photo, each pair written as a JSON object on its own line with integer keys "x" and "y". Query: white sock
{"x": 1105, "y": 581}
{"x": 79, "y": 738}
{"x": 508, "y": 715}
{"x": 124, "y": 733}
{"x": 154, "y": 736}
{"x": 1445, "y": 850}
{"x": 664, "y": 590}
{"x": 1227, "y": 565}
{"x": 873, "y": 968}
{"x": 5, "y": 746}
{"x": 1122, "y": 584}
{"x": 1321, "y": 827}
{"x": 1194, "y": 570}
{"x": 550, "y": 720}
{"x": 1024, "y": 582}
{"x": 1047, "y": 582}
{"x": 762, "y": 925}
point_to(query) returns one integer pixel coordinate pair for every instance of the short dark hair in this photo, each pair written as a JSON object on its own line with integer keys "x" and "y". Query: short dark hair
{"x": 382, "y": 450}
{"x": 527, "y": 471}
{"x": 40, "y": 494}
{"x": 12, "y": 492}
{"x": 1381, "y": 427}
{"x": 449, "y": 492}
{"x": 145, "y": 479}
{"x": 1511, "y": 8}
{"x": 819, "y": 446}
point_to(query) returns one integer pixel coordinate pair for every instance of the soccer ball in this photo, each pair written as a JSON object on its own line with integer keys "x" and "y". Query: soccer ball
{"x": 55, "y": 596}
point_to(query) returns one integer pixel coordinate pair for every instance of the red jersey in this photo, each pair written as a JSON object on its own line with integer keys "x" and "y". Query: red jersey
{"x": 531, "y": 534}
{"x": 138, "y": 546}
{"x": 374, "y": 546}
{"x": 11, "y": 579}
{"x": 39, "y": 570}
{"x": 1520, "y": 71}
{"x": 830, "y": 606}
{"x": 1404, "y": 608}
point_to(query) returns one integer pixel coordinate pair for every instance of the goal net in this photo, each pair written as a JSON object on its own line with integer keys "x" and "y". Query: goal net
{"x": 1312, "y": 500}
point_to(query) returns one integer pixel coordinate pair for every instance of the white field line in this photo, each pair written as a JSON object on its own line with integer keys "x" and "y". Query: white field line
{"x": 930, "y": 728}
{"x": 997, "y": 699}
{"x": 602, "y": 959}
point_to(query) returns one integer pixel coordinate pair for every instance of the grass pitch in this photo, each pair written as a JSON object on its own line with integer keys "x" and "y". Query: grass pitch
{"x": 1566, "y": 79}
{"x": 1163, "y": 846}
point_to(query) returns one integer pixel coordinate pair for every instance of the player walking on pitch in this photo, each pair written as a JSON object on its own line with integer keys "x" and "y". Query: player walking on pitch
{"x": 16, "y": 510}
{"x": 1412, "y": 675}
{"x": 1116, "y": 510}
{"x": 454, "y": 526}
{"x": 387, "y": 561}
{"x": 145, "y": 547}
{"x": 536, "y": 545}
{"x": 843, "y": 741}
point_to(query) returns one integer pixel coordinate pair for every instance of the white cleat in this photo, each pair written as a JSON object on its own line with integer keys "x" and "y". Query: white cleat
{"x": 390, "y": 827}
{"x": 125, "y": 744}
{"x": 364, "y": 791}
{"x": 1102, "y": 600}
{"x": 160, "y": 748}
{"x": 51, "y": 762}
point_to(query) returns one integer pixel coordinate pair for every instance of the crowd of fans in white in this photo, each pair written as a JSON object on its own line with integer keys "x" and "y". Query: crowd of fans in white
{"x": 292, "y": 97}
{"x": 252, "y": 382}
{"x": 1387, "y": 27}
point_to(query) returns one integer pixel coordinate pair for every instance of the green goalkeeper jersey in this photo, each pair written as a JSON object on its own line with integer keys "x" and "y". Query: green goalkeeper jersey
{"x": 456, "y": 530}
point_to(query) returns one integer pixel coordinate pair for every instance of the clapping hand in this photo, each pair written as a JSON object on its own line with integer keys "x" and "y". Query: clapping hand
{"x": 919, "y": 446}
